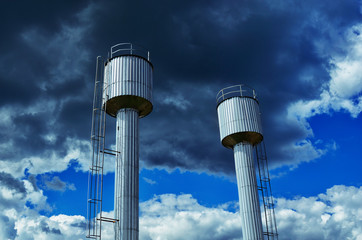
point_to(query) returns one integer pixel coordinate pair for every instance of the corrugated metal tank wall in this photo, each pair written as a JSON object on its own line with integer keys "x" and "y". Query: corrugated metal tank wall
{"x": 128, "y": 83}
{"x": 239, "y": 120}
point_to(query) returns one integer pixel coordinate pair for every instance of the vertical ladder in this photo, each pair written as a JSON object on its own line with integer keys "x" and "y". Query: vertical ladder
{"x": 271, "y": 232}
{"x": 95, "y": 177}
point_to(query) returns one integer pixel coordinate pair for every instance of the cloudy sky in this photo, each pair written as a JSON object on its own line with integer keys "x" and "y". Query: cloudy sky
{"x": 302, "y": 57}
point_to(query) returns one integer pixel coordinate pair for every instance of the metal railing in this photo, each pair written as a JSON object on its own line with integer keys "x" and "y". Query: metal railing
{"x": 240, "y": 90}
{"x": 131, "y": 49}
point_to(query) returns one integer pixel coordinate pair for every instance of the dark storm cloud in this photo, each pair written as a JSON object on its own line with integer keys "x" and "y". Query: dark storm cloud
{"x": 14, "y": 188}
{"x": 216, "y": 45}
{"x": 12, "y": 183}
{"x": 23, "y": 67}
{"x": 44, "y": 86}
{"x": 197, "y": 48}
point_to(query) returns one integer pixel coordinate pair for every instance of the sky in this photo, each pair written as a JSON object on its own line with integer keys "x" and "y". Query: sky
{"x": 303, "y": 58}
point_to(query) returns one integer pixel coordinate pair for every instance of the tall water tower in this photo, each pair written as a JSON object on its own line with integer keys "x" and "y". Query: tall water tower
{"x": 124, "y": 91}
{"x": 240, "y": 130}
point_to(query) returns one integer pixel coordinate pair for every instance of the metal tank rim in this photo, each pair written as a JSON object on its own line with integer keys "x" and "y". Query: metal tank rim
{"x": 235, "y": 91}
{"x": 132, "y": 50}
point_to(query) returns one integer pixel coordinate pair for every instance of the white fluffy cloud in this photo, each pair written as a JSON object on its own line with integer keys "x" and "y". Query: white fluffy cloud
{"x": 181, "y": 217}
{"x": 50, "y": 160}
{"x": 20, "y": 204}
{"x": 53, "y": 228}
{"x": 333, "y": 215}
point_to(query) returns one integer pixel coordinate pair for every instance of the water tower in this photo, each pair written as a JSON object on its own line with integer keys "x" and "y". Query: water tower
{"x": 123, "y": 90}
{"x": 240, "y": 130}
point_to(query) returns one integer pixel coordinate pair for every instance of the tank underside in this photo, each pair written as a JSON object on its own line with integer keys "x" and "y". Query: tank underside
{"x": 143, "y": 106}
{"x": 242, "y": 137}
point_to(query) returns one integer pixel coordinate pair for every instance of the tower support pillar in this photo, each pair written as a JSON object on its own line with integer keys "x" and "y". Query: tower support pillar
{"x": 248, "y": 192}
{"x": 126, "y": 192}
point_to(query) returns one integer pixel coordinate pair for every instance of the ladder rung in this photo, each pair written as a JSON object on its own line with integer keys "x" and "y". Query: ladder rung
{"x": 93, "y": 236}
{"x": 105, "y": 219}
{"x": 94, "y": 199}
{"x": 106, "y": 149}
{"x": 99, "y": 136}
{"x": 96, "y": 168}
{"x": 108, "y": 153}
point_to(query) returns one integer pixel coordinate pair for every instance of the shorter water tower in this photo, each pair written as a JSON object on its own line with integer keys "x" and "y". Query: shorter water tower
{"x": 240, "y": 130}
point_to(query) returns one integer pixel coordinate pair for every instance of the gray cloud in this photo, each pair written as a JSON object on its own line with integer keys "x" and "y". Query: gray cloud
{"x": 56, "y": 184}
{"x": 47, "y": 230}
{"x": 33, "y": 181}
{"x": 8, "y": 230}
{"x": 331, "y": 215}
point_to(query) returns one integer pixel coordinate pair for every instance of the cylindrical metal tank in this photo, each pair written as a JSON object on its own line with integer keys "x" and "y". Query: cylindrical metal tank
{"x": 128, "y": 83}
{"x": 239, "y": 116}
{"x": 240, "y": 129}
{"x": 127, "y": 95}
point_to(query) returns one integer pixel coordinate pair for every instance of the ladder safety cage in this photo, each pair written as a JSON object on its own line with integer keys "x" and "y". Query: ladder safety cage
{"x": 271, "y": 232}
{"x": 95, "y": 176}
